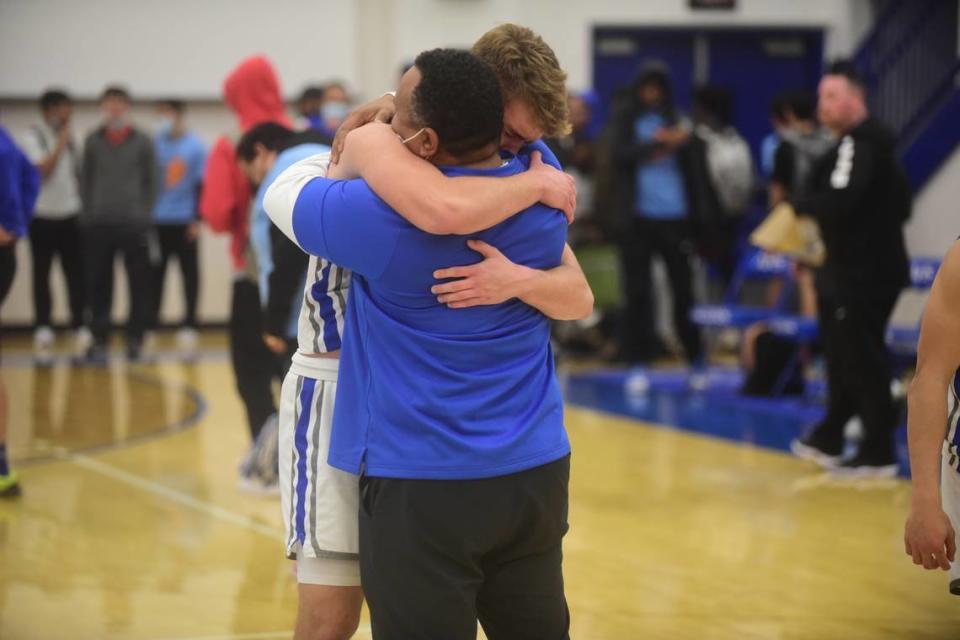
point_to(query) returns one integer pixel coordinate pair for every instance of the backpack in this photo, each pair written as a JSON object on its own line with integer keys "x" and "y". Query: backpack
{"x": 730, "y": 167}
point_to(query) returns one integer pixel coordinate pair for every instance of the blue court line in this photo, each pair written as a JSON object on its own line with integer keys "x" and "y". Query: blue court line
{"x": 719, "y": 411}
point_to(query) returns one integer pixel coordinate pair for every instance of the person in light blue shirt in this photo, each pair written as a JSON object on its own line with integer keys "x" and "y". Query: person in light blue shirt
{"x": 466, "y": 398}
{"x": 263, "y": 153}
{"x": 653, "y": 191}
{"x": 181, "y": 157}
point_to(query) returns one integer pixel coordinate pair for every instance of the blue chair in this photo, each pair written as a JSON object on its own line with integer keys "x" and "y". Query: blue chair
{"x": 754, "y": 266}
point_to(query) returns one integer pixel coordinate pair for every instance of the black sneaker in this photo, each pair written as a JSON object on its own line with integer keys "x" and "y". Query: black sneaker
{"x": 955, "y": 587}
{"x": 97, "y": 355}
{"x": 135, "y": 352}
{"x": 868, "y": 466}
{"x": 811, "y": 449}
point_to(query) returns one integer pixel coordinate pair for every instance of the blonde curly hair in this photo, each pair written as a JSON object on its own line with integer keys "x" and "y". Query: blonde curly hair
{"x": 528, "y": 70}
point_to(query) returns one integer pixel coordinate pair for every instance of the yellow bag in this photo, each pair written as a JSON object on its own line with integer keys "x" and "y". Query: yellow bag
{"x": 786, "y": 233}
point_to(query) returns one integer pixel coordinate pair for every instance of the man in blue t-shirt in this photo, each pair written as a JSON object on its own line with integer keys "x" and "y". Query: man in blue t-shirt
{"x": 181, "y": 157}
{"x": 465, "y": 398}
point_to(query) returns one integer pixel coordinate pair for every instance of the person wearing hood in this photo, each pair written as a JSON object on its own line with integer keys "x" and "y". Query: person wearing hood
{"x": 652, "y": 201}
{"x": 181, "y": 156}
{"x": 861, "y": 197}
{"x": 118, "y": 189}
{"x": 252, "y": 91}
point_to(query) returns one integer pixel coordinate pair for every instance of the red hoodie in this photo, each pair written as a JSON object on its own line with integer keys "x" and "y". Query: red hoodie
{"x": 252, "y": 91}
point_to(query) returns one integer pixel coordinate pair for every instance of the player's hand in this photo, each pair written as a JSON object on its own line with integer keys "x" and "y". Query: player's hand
{"x": 929, "y": 537}
{"x": 379, "y": 110}
{"x": 6, "y": 238}
{"x": 276, "y": 344}
{"x": 63, "y": 136}
{"x": 494, "y": 280}
{"x": 558, "y": 188}
{"x": 193, "y": 231}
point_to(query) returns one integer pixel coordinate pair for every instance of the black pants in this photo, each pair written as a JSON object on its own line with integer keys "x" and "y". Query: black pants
{"x": 49, "y": 239}
{"x": 858, "y": 371}
{"x": 254, "y": 365}
{"x": 101, "y": 245}
{"x": 175, "y": 242}
{"x": 8, "y": 269}
{"x": 670, "y": 239}
{"x": 437, "y": 555}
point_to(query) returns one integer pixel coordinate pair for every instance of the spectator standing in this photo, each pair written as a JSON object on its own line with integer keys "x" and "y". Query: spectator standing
{"x": 308, "y": 106}
{"x": 52, "y": 147}
{"x": 181, "y": 157}
{"x": 119, "y": 185}
{"x": 860, "y": 196}
{"x": 723, "y": 180}
{"x": 651, "y": 183}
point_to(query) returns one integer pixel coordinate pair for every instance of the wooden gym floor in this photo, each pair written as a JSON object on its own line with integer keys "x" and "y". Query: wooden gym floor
{"x": 131, "y": 525}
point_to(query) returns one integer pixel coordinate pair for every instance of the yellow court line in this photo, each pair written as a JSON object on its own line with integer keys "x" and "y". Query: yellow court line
{"x": 183, "y": 499}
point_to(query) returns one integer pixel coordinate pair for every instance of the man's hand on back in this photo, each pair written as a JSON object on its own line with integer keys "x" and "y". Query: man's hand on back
{"x": 379, "y": 110}
{"x": 494, "y": 280}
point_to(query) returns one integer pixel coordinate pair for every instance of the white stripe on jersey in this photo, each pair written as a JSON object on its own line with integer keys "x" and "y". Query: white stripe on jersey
{"x": 953, "y": 418}
{"x": 281, "y": 196}
{"x": 320, "y": 328}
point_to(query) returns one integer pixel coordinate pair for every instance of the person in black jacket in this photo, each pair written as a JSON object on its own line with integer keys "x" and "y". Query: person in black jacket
{"x": 281, "y": 267}
{"x": 652, "y": 204}
{"x": 860, "y": 196}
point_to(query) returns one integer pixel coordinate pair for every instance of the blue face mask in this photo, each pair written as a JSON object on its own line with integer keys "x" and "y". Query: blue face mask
{"x": 164, "y": 126}
{"x": 335, "y": 111}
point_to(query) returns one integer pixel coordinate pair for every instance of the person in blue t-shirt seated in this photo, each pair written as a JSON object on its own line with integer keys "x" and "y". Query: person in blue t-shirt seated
{"x": 465, "y": 398}
{"x": 181, "y": 158}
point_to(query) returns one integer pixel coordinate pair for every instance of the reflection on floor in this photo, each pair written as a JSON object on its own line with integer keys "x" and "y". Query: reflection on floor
{"x": 663, "y": 396}
{"x": 673, "y": 534}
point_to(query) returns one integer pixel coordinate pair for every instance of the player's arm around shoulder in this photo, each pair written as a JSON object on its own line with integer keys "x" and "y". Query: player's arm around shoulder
{"x": 929, "y": 537}
{"x": 442, "y": 205}
{"x": 282, "y": 197}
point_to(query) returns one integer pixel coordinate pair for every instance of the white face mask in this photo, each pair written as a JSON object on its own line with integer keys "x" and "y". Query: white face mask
{"x": 334, "y": 111}
{"x": 115, "y": 124}
{"x": 164, "y": 125}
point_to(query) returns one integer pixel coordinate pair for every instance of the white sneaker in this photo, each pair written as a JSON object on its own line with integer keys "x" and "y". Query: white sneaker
{"x": 258, "y": 486}
{"x": 43, "y": 345}
{"x": 187, "y": 340}
{"x": 82, "y": 341}
{"x": 812, "y": 454}
{"x": 698, "y": 381}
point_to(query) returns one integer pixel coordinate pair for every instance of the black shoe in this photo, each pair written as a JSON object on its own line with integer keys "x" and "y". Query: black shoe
{"x": 868, "y": 466}
{"x": 955, "y": 587}
{"x": 97, "y": 355}
{"x": 134, "y": 352}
